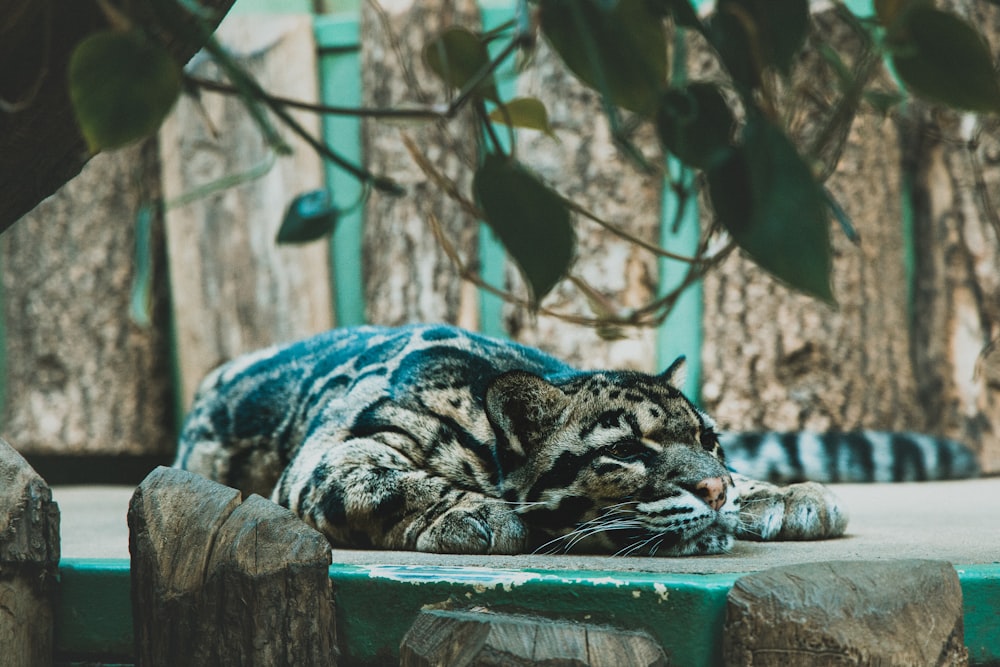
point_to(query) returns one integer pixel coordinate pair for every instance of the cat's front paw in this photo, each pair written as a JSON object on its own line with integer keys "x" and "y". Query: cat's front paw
{"x": 806, "y": 511}
{"x": 482, "y": 527}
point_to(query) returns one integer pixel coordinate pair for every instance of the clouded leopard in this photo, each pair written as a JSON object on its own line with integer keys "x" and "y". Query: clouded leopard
{"x": 436, "y": 439}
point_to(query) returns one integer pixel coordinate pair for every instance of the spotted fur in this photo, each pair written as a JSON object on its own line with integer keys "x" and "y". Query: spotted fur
{"x": 436, "y": 439}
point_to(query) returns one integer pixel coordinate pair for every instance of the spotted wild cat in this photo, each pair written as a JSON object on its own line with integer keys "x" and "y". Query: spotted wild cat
{"x": 436, "y": 439}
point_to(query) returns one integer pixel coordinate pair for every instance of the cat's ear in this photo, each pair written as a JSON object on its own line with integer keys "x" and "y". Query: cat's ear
{"x": 676, "y": 373}
{"x": 524, "y": 409}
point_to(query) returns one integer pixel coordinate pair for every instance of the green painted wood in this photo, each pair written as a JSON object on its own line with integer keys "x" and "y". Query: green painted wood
{"x": 377, "y": 603}
{"x": 492, "y": 256}
{"x": 681, "y": 332}
{"x": 338, "y": 41}
{"x": 981, "y": 606}
{"x": 94, "y": 613}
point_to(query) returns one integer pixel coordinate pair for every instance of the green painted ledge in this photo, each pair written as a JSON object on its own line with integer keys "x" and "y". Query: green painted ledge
{"x": 377, "y": 603}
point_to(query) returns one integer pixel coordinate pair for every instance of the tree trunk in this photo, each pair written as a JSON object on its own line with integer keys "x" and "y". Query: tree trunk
{"x": 40, "y": 143}
{"x": 585, "y": 165}
{"x": 892, "y": 613}
{"x": 234, "y": 289}
{"x": 955, "y": 164}
{"x": 407, "y": 275}
{"x": 29, "y": 562}
{"x": 82, "y": 377}
{"x": 777, "y": 360}
{"x": 219, "y": 582}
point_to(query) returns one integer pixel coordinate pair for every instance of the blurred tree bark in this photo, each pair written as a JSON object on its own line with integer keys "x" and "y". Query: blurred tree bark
{"x": 82, "y": 377}
{"x": 407, "y": 275}
{"x": 954, "y": 162}
{"x": 777, "y": 360}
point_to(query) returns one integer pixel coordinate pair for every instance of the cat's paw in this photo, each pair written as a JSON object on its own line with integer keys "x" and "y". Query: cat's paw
{"x": 481, "y": 527}
{"x": 806, "y": 511}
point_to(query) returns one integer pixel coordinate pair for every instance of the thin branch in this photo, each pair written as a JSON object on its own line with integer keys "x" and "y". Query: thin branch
{"x": 430, "y": 113}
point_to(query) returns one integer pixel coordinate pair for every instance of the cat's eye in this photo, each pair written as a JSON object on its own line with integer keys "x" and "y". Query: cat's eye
{"x": 626, "y": 450}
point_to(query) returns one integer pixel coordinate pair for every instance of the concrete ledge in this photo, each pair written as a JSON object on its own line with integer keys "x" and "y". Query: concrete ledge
{"x": 679, "y": 601}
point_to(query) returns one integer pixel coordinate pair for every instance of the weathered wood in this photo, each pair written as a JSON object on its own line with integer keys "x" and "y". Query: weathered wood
{"x": 773, "y": 359}
{"x": 585, "y": 165}
{"x": 82, "y": 377}
{"x": 29, "y": 560}
{"x": 407, "y": 275}
{"x": 906, "y": 612}
{"x": 233, "y": 288}
{"x": 40, "y": 143}
{"x": 440, "y": 638}
{"x": 217, "y": 582}
{"x": 955, "y": 163}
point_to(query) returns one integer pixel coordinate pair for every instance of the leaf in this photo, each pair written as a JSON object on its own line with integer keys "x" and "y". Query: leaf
{"x": 458, "y": 55}
{"x": 526, "y": 112}
{"x": 530, "y": 220}
{"x": 310, "y": 216}
{"x": 122, "y": 85}
{"x": 617, "y": 48}
{"x": 695, "y": 124}
{"x": 941, "y": 57}
{"x": 757, "y": 34}
{"x": 766, "y": 197}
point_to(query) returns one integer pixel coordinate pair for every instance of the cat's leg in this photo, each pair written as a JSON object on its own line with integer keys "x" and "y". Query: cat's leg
{"x": 806, "y": 511}
{"x": 361, "y": 492}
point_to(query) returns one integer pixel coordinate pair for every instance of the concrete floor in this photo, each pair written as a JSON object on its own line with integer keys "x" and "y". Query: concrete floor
{"x": 954, "y": 521}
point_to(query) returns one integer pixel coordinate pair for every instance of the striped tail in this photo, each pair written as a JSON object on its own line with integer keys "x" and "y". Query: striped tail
{"x": 859, "y": 456}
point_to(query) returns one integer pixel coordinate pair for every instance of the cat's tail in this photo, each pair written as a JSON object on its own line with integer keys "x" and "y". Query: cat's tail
{"x": 859, "y": 456}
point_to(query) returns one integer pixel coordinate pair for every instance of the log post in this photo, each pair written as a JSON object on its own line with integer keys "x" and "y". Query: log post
{"x": 29, "y": 559}
{"x": 233, "y": 288}
{"x": 220, "y": 582}
{"x": 906, "y": 612}
{"x": 440, "y": 638}
{"x": 407, "y": 274}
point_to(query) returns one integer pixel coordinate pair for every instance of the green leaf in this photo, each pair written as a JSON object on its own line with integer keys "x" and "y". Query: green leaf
{"x": 617, "y": 48}
{"x": 778, "y": 31}
{"x": 526, "y": 112}
{"x": 310, "y": 216}
{"x": 941, "y": 57}
{"x": 696, "y": 125}
{"x": 458, "y": 55}
{"x": 765, "y": 195}
{"x": 122, "y": 85}
{"x": 530, "y": 220}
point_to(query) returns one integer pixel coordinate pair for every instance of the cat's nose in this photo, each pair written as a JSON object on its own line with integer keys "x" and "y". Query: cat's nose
{"x": 712, "y": 490}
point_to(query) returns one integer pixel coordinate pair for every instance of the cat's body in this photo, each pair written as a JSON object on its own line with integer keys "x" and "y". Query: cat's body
{"x": 433, "y": 438}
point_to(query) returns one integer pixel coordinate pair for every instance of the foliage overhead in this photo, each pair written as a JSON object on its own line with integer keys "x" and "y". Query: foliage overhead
{"x": 122, "y": 85}
{"x": 763, "y": 185}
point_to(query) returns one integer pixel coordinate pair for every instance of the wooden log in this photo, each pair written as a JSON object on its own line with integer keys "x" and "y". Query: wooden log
{"x": 445, "y": 638}
{"x": 234, "y": 289}
{"x": 29, "y": 560}
{"x": 82, "y": 377}
{"x": 777, "y": 360}
{"x": 408, "y": 276}
{"x": 218, "y": 582}
{"x": 954, "y": 160}
{"x": 906, "y": 612}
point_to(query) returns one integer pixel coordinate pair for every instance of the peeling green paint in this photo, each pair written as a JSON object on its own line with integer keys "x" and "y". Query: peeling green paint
{"x": 376, "y": 604}
{"x": 93, "y": 619}
{"x": 981, "y": 605}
